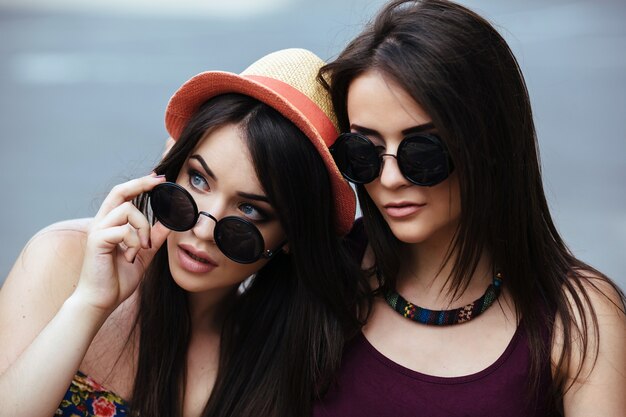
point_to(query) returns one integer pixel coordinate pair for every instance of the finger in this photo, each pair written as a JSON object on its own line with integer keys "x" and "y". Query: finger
{"x": 158, "y": 236}
{"x": 127, "y": 213}
{"x": 123, "y": 238}
{"x": 127, "y": 191}
{"x": 131, "y": 255}
{"x": 132, "y": 242}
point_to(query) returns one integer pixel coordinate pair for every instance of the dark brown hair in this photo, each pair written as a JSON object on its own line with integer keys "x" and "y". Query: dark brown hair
{"x": 461, "y": 71}
{"x": 283, "y": 337}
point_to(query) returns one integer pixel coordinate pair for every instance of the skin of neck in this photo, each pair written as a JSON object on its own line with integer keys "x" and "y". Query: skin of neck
{"x": 425, "y": 275}
{"x": 208, "y": 309}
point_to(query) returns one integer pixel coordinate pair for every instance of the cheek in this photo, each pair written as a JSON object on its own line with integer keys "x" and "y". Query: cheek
{"x": 233, "y": 273}
{"x": 171, "y": 242}
{"x": 273, "y": 235}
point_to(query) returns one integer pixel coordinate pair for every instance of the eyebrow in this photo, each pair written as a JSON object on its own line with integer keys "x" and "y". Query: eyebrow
{"x": 204, "y": 166}
{"x": 257, "y": 197}
{"x": 250, "y": 196}
{"x": 372, "y": 132}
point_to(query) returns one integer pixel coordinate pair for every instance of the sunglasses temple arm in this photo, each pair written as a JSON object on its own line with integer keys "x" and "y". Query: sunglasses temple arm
{"x": 268, "y": 254}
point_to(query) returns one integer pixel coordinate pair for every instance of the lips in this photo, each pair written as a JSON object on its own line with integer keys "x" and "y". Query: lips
{"x": 402, "y": 209}
{"x": 193, "y": 260}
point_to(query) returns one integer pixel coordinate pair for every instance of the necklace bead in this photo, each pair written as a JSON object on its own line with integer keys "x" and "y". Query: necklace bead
{"x": 446, "y": 317}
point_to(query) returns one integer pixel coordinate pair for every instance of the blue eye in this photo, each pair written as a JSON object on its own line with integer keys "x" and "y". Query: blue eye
{"x": 252, "y": 212}
{"x": 197, "y": 181}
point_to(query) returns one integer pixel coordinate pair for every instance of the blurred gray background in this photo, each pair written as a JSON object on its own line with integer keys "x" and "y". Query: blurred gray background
{"x": 84, "y": 85}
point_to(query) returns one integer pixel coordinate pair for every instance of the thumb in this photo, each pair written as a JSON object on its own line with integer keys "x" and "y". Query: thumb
{"x": 158, "y": 235}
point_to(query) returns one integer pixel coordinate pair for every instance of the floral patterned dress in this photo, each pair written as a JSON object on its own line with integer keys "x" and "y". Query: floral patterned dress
{"x": 86, "y": 398}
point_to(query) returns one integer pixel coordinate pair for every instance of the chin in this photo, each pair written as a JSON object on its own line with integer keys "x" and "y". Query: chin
{"x": 415, "y": 233}
{"x": 187, "y": 283}
{"x": 410, "y": 237}
{"x": 408, "y": 231}
{"x": 195, "y": 284}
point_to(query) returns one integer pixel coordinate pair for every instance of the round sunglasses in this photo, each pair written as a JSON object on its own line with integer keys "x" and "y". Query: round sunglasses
{"x": 422, "y": 158}
{"x": 237, "y": 238}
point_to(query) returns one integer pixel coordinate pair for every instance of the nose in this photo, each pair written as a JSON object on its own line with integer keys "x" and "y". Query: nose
{"x": 390, "y": 175}
{"x": 204, "y": 228}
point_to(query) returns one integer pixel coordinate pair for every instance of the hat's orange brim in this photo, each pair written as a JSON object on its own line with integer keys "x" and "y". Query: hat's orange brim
{"x": 291, "y": 103}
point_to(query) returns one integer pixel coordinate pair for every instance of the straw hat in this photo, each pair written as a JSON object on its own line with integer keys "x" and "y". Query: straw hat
{"x": 287, "y": 81}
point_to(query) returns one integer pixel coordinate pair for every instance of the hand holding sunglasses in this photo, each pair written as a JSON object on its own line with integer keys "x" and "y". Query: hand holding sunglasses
{"x": 120, "y": 244}
{"x": 237, "y": 238}
{"x": 422, "y": 158}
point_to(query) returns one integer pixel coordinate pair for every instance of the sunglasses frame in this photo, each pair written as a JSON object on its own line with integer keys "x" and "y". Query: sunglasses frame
{"x": 431, "y": 137}
{"x": 266, "y": 253}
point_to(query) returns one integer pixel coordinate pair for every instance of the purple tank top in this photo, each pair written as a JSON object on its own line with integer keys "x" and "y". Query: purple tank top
{"x": 370, "y": 384}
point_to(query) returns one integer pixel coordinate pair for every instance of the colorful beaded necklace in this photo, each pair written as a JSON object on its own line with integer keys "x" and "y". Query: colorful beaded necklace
{"x": 446, "y": 317}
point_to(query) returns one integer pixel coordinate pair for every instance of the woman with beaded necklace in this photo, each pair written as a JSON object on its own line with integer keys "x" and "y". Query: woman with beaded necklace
{"x": 479, "y": 308}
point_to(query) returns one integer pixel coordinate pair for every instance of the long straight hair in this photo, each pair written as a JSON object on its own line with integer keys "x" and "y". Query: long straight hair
{"x": 461, "y": 71}
{"x": 283, "y": 337}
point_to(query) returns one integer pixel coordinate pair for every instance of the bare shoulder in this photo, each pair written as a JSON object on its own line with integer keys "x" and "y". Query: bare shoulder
{"x": 598, "y": 345}
{"x": 594, "y": 298}
{"x": 50, "y": 255}
{"x": 72, "y": 225}
{"x": 597, "y": 294}
{"x": 43, "y": 276}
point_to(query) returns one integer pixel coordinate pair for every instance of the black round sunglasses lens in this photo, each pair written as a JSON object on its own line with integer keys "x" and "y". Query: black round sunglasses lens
{"x": 239, "y": 239}
{"x": 357, "y": 158}
{"x": 423, "y": 160}
{"x": 173, "y": 206}
{"x": 176, "y": 209}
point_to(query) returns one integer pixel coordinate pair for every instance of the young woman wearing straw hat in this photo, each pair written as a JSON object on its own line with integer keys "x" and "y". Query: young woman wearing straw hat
{"x": 479, "y": 308}
{"x": 139, "y": 311}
